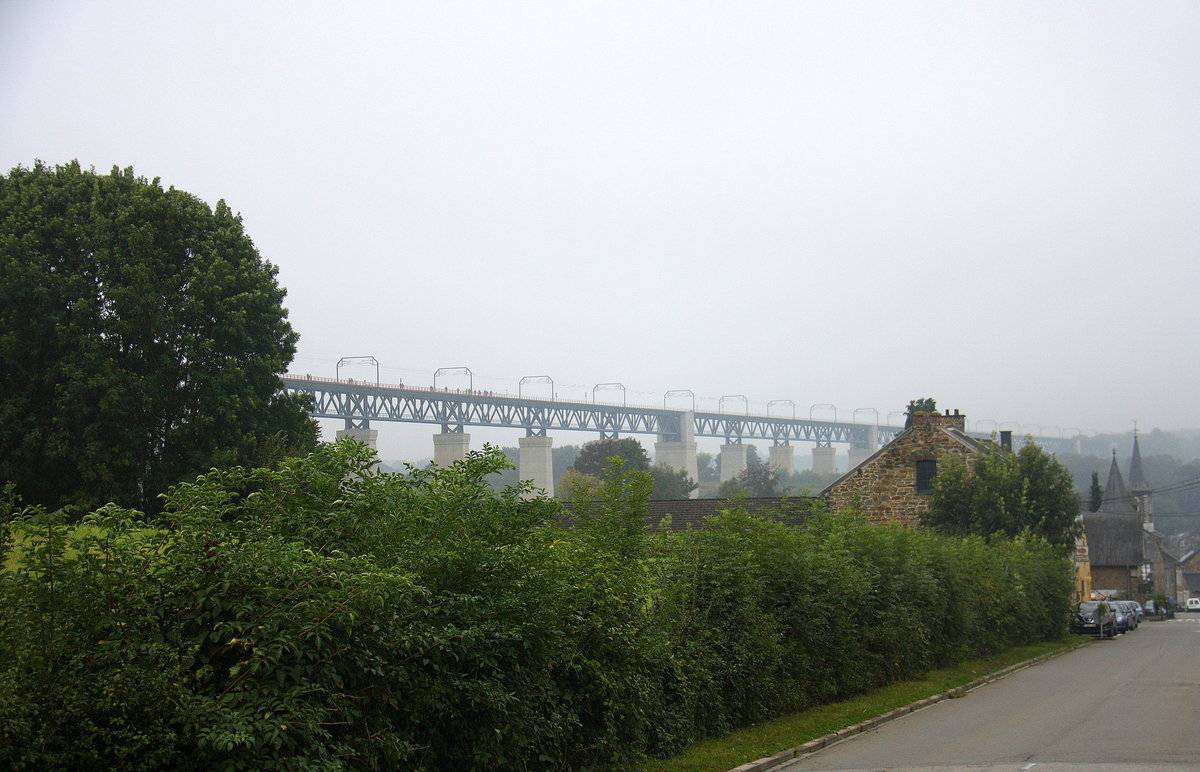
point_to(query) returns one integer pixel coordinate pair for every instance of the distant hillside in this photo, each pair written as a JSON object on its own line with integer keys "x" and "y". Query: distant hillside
{"x": 1181, "y": 444}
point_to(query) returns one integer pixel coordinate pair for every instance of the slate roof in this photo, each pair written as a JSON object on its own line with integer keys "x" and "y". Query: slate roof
{"x": 1137, "y": 477}
{"x": 1114, "y": 539}
{"x": 690, "y": 513}
{"x": 1193, "y": 583}
{"x": 1116, "y": 495}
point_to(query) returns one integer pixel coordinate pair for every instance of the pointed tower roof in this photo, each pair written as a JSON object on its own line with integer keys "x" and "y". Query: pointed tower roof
{"x": 1116, "y": 496}
{"x": 1137, "y": 477}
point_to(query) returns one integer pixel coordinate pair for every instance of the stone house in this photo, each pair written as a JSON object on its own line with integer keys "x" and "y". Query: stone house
{"x": 893, "y": 484}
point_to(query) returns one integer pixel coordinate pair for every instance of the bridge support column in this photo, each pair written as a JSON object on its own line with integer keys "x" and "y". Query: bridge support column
{"x": 367, "y": 437}
{"x": 536, "y": 463}
{"x": 679, "y": 455}
{"x": 782, "y": 459}
{"x": 682, "y": 454}
{"x": 449, "y": 447}
{"x": 824, "y": 460}
{"x": 859, "y": 455}
{"x": 733, "y": 461}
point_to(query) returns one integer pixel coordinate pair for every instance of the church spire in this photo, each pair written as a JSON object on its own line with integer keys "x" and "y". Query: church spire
{"x": 1116, "y": 496}
{"x": 1137, "y": 477}
{"x": 1139, "y": 487}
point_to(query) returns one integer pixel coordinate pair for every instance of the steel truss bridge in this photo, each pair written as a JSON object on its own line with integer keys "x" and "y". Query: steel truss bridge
{"x": 358, "y": 404}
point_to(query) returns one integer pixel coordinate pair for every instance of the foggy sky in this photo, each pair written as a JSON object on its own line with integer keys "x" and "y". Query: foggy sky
{"x": 993, "y": 204}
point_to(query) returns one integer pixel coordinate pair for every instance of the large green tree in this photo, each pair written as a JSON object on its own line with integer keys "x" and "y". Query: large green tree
{"x": 757, "y": 479}
{"x": 671, "y": 483}
{"x": 595, "y": 460}
{"x": 594, "y": 456}
{"x": 1008, "y": 493}
{"x": 141, "y": 339}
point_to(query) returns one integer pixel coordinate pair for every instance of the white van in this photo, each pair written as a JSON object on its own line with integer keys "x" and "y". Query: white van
{"x": 1193, "y": 604}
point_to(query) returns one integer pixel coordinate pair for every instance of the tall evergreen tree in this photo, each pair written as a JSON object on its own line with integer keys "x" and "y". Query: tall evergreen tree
{"x": 1096, "y": 493}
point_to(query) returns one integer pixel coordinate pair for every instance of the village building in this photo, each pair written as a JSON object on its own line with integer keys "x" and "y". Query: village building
{"x": 1127, "y": 554}
{"x": 1189, "y": 576}
{"x": 893, "y": 484}
{"x": 1118, "y": 554}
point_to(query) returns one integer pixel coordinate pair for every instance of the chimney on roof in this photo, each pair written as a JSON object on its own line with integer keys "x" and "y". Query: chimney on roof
{"x": 935, "y": 418}
{"x": 1006, "y": 439}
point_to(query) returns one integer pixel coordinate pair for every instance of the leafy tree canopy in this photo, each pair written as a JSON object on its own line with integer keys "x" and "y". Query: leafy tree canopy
{"x": 594, "y": 456}
{"x": 576, "y": 485}
{"x": 671, "y": 483}
{"x": 595, "y": 462}
{"x": 1007, "y": 493}
{"x": 757, "y": 479}
{"x": 141, "y": 338}
{"x": 919, "y": 405}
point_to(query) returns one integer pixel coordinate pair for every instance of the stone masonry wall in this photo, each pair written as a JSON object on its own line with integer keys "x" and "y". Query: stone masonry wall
{"x": 1118, "y": 578}
{"x": 885, "y": 487}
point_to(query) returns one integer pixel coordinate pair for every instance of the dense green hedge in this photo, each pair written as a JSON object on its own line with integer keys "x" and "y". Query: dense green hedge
{"x": 318, "y": 617}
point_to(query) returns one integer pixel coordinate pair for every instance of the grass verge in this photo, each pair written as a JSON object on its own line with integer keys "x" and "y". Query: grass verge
{"x": 764, "y": 739}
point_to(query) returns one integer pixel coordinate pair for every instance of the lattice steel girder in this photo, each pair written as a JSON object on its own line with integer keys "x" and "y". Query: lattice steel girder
{"x": 361, "y": 403}
{"x": 784, "y": 430}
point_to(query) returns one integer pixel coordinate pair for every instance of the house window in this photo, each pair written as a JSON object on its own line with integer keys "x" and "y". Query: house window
{"x": 926, "y": 470}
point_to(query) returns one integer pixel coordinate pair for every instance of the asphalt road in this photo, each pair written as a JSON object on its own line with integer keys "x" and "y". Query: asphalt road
{"x": 1129, "y": 704}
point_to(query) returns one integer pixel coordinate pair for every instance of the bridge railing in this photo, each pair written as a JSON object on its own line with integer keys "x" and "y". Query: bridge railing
{"x": 466, "y": 392}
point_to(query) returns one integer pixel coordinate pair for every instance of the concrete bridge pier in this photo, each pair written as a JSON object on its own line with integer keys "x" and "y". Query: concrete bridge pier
{"x": 682, "y": 454}
{"x": 368, "y": 437}
{"x": 859, "y": 455}
{"x": 824, "y": 460}
{"x": 861, "y": 452}
{"x": 449, "y": 447}
{"x": 782, "y": 459}
{"x": 536, "y": 463}
{"x": 733, "y": 460}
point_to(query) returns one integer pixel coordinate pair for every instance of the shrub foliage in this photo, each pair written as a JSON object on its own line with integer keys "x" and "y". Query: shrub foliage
{"x": 999, "y": 492}
{"x": 318, "y": 616}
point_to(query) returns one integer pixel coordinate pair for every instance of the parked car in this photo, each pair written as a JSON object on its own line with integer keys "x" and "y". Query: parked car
{"x": 1193, "y": 604}
{"x": 1124, "y": 608}
{"x": 1124, "y": 615}
{"x": 1137, "y": 609}
{"x": 1088, "y": 618}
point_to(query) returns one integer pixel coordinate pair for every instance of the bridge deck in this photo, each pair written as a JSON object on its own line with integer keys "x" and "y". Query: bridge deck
{"x": 360, "y": 403}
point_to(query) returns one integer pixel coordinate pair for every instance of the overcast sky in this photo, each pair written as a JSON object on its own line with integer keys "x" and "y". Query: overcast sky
{"x": 996, "y": 204}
